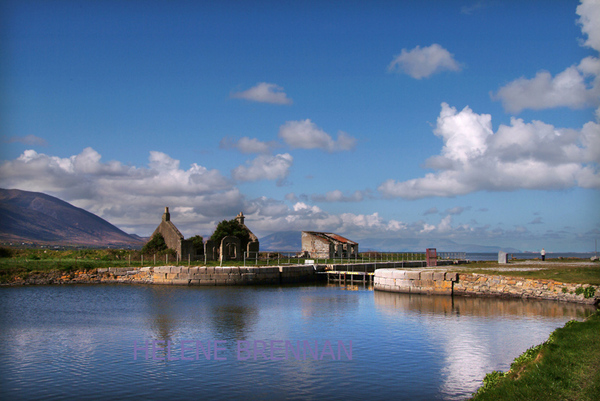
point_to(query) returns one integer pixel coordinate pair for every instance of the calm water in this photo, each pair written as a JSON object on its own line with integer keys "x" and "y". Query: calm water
{"x": 74, "y": 342}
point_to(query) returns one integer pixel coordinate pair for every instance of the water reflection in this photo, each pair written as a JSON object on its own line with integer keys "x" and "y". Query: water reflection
{"x": 475, "y": 336}
{"x": 77, "y": 341}
{"x": 458, "y": 305}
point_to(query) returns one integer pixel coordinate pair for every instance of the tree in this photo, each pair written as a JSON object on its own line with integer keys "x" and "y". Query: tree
{"x": 155, "y": 245}
{"x": 230, "y": 228}
{"x": 198, "y": 244}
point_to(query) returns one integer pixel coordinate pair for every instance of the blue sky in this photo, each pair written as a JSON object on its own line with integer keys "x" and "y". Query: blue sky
{"x": 473, "y": 121}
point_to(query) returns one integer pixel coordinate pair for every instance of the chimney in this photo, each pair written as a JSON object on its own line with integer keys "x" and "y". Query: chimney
{"x": 240, "y": 218}
{"x": 166, "y": 216}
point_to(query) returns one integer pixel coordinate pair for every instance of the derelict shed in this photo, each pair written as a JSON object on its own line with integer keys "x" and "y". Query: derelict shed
{"x": 322, "y": 245}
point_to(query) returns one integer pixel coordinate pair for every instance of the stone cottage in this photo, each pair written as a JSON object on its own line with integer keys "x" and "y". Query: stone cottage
{"x": 327, "y": 245}
{"x": 173, "y": 237}
{"x": 230, "y": 248}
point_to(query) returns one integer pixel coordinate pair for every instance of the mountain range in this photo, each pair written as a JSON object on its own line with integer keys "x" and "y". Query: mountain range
{"x": 33, "y": 217}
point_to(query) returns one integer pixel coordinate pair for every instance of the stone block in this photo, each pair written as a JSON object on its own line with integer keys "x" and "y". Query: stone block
{"x": 451, "y": 276}
{"x": 404, "y": 283}
{"x": 427, "y": 275}
{"x": 502, "y": 257}
{"x": 180, "y": 281}
{"x": 413, "y": 275}
{"x": 399, "y": 274}
{"x": 439, "y": 276}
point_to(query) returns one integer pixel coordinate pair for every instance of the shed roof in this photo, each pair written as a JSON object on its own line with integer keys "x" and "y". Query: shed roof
{"x": 335, "y": 238}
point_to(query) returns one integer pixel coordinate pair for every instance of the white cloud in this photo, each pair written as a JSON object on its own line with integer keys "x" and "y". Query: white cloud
{"x": 570, "y": 88}
{"x": 265, "y": 167}
{"x": 248, "y": 145}
{"x": 576, "y": 87}
{"x": 520, "y": 156}
{"x": 128, "y": 196}
{"x": 589, "y": 18}
{"x": 265, "y": 93}
{"x": 305, "y": 134}
{"x": 424, "y": 62}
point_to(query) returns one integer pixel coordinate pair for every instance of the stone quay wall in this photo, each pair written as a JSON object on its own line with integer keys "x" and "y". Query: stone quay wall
{"x": 472, "y": 284}
{"x": 211, "y": 276}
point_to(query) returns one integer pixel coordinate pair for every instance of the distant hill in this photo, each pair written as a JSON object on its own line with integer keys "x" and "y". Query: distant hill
{"x": 292, "y": 241}
{"x": 46, "y": 220}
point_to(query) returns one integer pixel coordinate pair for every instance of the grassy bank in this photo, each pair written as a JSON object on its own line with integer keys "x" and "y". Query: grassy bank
{"x": 567, "y": 271}
{"x": 24, "y": 262}
{"x": 566, "y": 367}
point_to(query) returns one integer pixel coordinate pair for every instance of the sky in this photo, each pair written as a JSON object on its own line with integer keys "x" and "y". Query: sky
{"x": 470, "y": 121}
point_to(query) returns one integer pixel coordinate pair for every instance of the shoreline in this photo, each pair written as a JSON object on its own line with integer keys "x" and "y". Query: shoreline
{"x": 415, "y": 280}
{"x": 432, "y": 282}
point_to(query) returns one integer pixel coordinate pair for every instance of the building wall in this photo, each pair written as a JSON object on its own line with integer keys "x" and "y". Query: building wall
{"x": 316, "y": 246}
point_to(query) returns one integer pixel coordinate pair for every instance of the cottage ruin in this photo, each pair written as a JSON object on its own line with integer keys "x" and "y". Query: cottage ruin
{"x": 327, "y": 245}
{"x": 229, "y": 248}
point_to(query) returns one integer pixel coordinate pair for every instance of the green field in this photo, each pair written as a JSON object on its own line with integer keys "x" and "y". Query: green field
{"x": 567, "y": 271}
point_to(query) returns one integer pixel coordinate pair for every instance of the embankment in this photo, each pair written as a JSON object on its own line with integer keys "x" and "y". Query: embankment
{"x": 472, "y": 284}
{"x": 176, "y": 275}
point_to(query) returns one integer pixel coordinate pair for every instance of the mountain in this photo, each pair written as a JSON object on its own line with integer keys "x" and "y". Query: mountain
{"x": 292, "y": 241}
{"x": 43, "y": 219}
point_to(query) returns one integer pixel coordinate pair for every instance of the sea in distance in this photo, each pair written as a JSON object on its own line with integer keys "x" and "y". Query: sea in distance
{"x": 297, "y": 342}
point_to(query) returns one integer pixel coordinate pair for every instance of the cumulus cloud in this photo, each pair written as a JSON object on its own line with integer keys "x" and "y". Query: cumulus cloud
{"x": 576, "y": 87}
{"x": 589, "y": 19}
{"x": 265, "y": 93}
{"x": 424, "y": 62}
{"x": 305, "y": 134}
{"x": 128, "y": 196}
{"x": 248, "y": 145}
{"x": 519, "y": 156}
{"x": 265, "y": 167}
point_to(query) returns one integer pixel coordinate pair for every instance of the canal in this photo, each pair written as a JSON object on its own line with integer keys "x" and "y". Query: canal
{"x": 303, "y": 342}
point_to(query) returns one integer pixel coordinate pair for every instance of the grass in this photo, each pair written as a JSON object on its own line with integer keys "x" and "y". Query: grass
{"x": 23, "y": 262}
{"x": 566, "y": 367}
{"x": 559, "y": 270}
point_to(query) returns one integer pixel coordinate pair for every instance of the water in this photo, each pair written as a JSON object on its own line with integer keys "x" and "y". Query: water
{"x": 74, "y": 342}
{"x": 528, "y": 255}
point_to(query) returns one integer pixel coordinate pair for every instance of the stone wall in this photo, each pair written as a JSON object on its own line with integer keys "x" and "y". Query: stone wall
{"x": 202, "y": 275}
{"x": 471, "y": 284}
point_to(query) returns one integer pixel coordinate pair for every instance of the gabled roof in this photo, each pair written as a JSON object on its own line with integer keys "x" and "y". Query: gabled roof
{"x": 335, "y": 238}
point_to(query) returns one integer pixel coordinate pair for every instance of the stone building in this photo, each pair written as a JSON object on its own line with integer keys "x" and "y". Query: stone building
{"x": 230, "y": 248}
{"x": 327, "y": 245}
{"x": 174, "y": 239}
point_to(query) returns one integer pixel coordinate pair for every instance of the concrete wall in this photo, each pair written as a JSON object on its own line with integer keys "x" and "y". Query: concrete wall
{"x": 444, "y": 282}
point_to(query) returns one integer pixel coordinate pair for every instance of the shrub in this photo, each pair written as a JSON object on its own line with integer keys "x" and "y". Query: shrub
{"x": 155, "y": 245}
{"x": 230, "y": 228}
